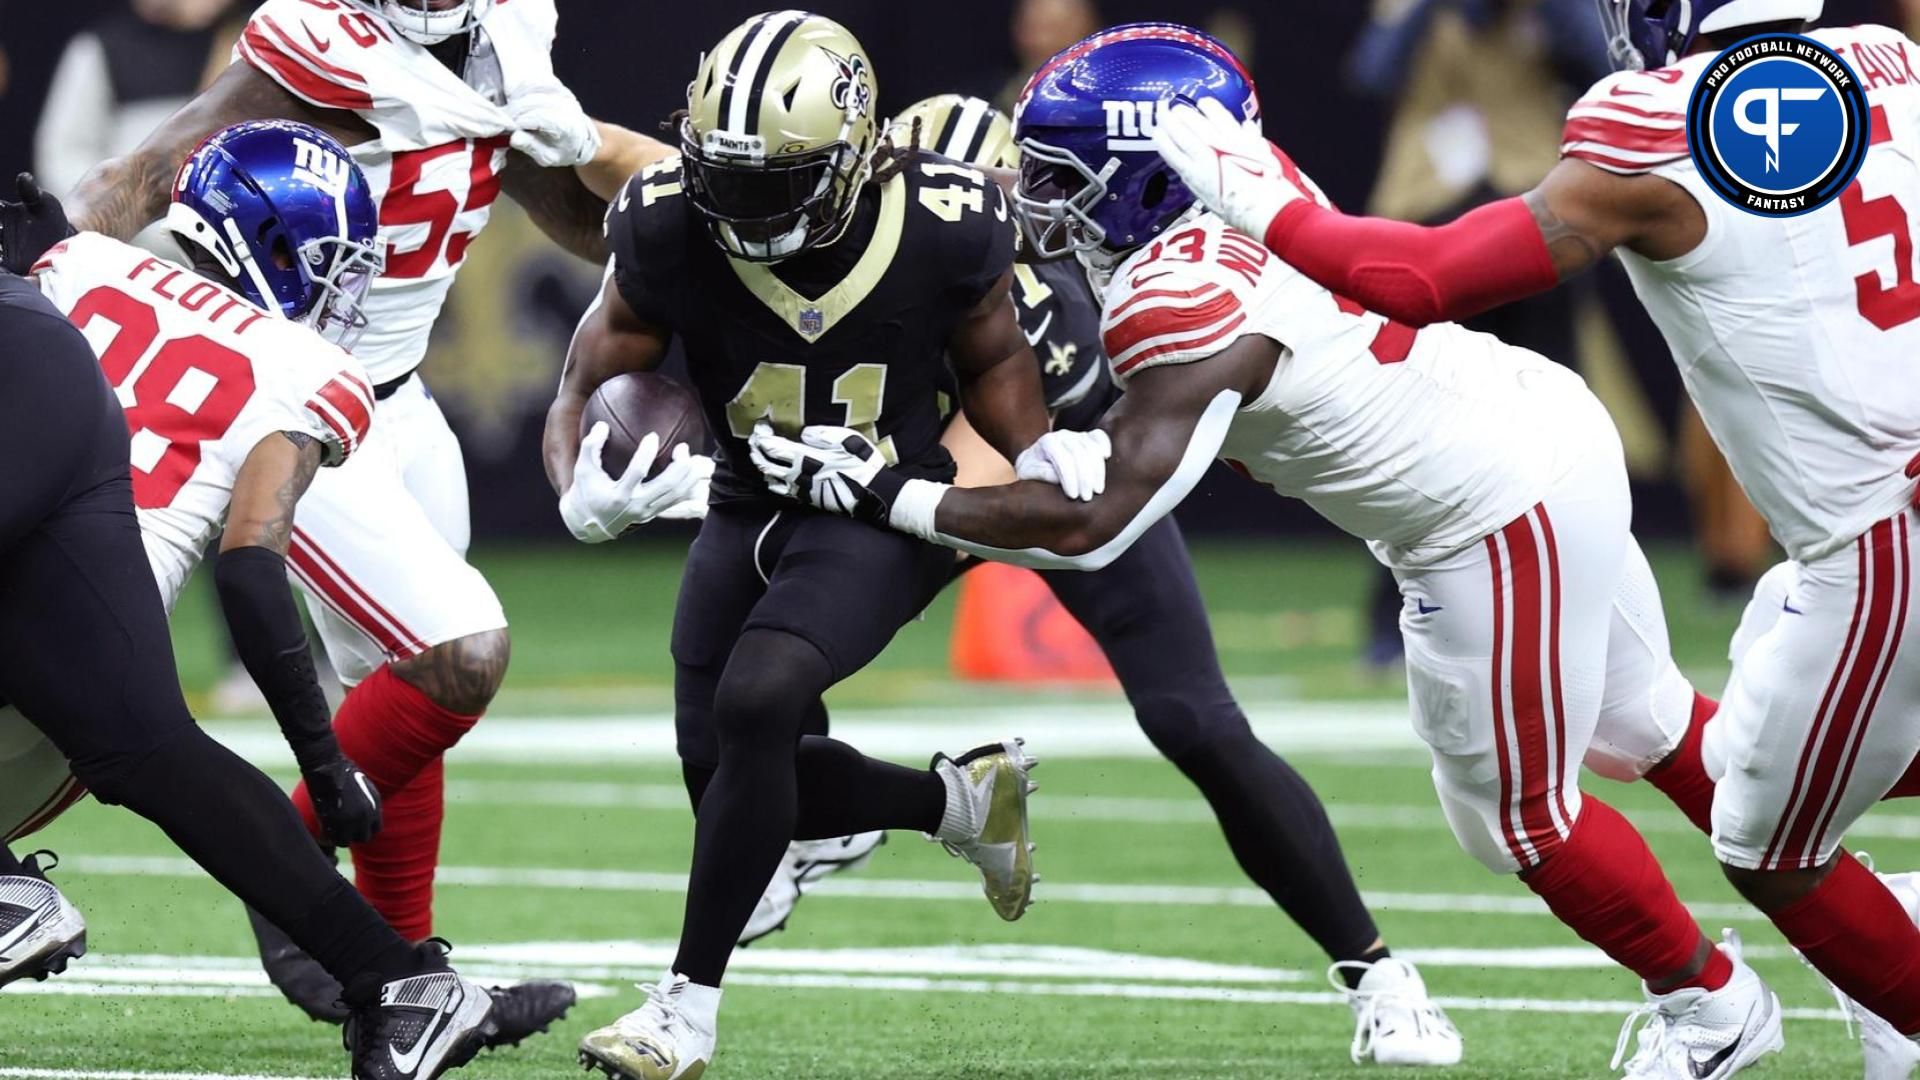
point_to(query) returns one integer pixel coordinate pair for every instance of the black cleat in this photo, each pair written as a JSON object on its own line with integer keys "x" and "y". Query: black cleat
{"x": 40, "y": 932}
{"x": 527, "y": 1009}
{"x": 295, "y": 974}
{"x": 421, "y": 1027}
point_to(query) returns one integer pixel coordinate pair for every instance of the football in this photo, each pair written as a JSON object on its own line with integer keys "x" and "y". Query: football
{"x": 634, "y": 405}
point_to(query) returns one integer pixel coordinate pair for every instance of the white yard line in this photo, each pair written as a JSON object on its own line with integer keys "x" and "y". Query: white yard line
{"x": 1045, "y": 971}
{"x": 10, "y": 1073}
{"x": 870, "y": 888}
{"x": 1054, "y": 730}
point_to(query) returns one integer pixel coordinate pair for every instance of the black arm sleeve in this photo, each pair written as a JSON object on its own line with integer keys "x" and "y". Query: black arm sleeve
{"x": 272, "y": 644}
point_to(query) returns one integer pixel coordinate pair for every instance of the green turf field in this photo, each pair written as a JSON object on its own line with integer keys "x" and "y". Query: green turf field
{"x": 1147, "y": 955}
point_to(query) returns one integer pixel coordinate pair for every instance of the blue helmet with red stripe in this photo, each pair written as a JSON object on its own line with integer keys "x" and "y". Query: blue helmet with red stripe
{"x": 1090, "y": 178}
{"x": 280, "y": 210}
{"x": 1645, "y": 34}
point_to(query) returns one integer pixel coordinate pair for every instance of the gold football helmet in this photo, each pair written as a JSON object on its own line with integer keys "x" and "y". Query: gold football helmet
{"x": 966, "y": 129}
{"x": 779, "y": 134}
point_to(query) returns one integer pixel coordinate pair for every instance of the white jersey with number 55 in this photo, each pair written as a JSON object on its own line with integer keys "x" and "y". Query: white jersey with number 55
{"x": 204, "y": 376}
{"x": 439, "y": 145}
{"x": 1798, "y": 338}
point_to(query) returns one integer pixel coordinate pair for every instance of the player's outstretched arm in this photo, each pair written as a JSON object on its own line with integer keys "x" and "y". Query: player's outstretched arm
{"x": 122, "y": 195}
{"x": 560, "y": 203}
{"x": 1165, "y": 432}
{"x": 610, "y": 340}
{"x": 251, "y": 577}
{"x": 1499, "y": 253}
{"x": 623, "y": 152}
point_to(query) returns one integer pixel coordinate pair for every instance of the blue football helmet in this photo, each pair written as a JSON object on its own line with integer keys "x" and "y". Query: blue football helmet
{"x": 1091, "y": 182}
{"x": 1647, "y": 34}
{"x": 281, "y": 211}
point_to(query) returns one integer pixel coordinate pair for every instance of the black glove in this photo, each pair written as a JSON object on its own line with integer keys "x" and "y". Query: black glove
{"x": 31, "y": 226}
{"x": 343, "y": 799}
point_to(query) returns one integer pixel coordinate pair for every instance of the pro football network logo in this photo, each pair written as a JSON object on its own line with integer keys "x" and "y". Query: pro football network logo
{"x": 1778, "y": 125}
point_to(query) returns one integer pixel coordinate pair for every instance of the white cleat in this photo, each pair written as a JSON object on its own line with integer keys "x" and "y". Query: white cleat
{"x": 1695, "y": 1034}
{"x": 1395, "y": 1022}
{"x": 1885, "y": 1054}
{"x": 806, "y": 863}
{"x": 657, "y": 1041}
{"x": 815, "y": 860}
{"x": 39, "y": 930}
{"x": 986, "y": 821}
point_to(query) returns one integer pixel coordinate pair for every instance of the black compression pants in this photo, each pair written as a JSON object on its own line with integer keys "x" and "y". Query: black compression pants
{"x": 85, "y": 654}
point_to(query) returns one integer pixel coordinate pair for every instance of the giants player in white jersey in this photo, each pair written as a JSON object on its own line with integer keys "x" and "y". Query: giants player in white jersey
{"x": 1795, "y": 337}
{"x": 236, "y": 393}
{"x": 445, "y": 104}
{"x": 1488, "y": 478}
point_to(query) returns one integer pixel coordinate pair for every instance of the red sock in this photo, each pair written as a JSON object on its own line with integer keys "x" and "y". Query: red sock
{"x": 1859, "y": 936}
{"x": 1604, "y": 883}
{"x": 1681, "y": 777}
{"x": 395, "y": 732}
{"x": 1908, "y": 785}
{"x": 395, "y": 869}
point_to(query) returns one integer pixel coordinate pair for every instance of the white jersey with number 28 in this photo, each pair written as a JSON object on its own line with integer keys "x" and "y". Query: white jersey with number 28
{"x": 1798, "y": 338}
{"x": 204, "y": 376}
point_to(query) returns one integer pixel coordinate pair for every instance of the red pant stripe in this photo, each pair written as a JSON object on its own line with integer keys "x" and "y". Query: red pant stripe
{"x": 1526, "y": 691}
{"x": 346, "y": 597}
{"x": 1898, "y": 583}
{"x": 1840, "y": 706}
{"x": 1565, "y": 820}
{"x": 1501, "y": 740}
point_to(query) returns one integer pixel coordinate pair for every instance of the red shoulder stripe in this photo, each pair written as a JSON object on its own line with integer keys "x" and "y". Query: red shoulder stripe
{"x": 312, "y": 58}
{"x": 46, "y": 259}
{"x": 260, "y": 50}
{"x": 1623, "y": 136}
{"x": 1159, "y": 294}
{"x": 1159, "y": 322}
{"x": 1615, "y": 105}
{"x": 1176, "y": 346}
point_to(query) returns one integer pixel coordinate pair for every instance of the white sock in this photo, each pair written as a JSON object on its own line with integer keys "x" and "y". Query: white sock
{"x": 958, "y": 822}
{"x": 699, "y": 1005}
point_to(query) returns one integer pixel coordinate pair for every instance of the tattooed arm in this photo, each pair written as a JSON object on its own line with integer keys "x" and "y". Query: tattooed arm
{"x": 121, "y": 196}
{"x": 559, "y": 201}
{"x": 1584, "y": 212}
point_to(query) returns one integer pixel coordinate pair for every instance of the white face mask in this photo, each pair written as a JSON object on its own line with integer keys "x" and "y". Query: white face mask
{"x": 433, "y": 27}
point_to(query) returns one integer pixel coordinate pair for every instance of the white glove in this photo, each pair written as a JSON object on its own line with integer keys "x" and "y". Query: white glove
{"x": 551, "y": 128}
{"x": 831, "y": 468}
{"x": 1227, "y": 163}
{"x": 1075, "y": 460}
{"x": 598, "y": 507}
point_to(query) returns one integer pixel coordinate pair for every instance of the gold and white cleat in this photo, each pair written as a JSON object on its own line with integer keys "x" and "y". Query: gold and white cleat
{"x": 986, "y": 821}
{"x": 657, "y": 1041}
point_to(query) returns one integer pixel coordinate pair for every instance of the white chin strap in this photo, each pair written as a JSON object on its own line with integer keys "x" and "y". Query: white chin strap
{"x": 430, "y": 27}
{"x": 786, "y": 245}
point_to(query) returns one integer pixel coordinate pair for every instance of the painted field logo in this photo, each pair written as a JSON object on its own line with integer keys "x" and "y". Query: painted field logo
{"x": 1778, "y": 125}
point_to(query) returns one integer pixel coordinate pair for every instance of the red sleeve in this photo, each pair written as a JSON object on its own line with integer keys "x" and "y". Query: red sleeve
{"x": 279, "y": 54}
{"x": 345, "y": 405}
{"x": 1415, "y": 274}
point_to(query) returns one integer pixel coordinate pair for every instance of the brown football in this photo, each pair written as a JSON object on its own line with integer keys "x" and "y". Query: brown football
{"x": 636, "y": 404}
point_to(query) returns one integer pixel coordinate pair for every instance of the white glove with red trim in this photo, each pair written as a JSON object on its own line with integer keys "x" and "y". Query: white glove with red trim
{"x": 1226, "y": 162}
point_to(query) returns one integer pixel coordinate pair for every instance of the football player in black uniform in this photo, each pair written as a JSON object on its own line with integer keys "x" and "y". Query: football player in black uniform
{"x": 84, "y": 653}
{"x": 1144, "y": 610}
{"x": 812, "y": 275}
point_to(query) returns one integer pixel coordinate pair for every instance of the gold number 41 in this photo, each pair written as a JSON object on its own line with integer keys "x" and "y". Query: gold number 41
{"x": 778, "y": 393}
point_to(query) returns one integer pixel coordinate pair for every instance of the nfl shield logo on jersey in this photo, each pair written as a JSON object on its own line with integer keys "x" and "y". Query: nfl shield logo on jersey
{"x": 812, "y": 322}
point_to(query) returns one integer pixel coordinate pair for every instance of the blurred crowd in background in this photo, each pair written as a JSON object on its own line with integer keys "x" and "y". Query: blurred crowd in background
{"x": 1418, "y": 109}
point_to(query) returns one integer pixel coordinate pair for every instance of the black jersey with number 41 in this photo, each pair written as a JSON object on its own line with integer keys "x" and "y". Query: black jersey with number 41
{"x": 853, "y": 333}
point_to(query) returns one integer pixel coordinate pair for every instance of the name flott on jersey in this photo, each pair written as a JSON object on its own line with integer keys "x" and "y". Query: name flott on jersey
{"x": 442, "y": 140}
{"x": 204, "y": 376}
{"x": 1418, "y": 441}
{"x": 1795, "y": 336}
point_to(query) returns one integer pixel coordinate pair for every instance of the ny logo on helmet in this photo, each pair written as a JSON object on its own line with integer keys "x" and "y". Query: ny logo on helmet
{"x": 852, "y": 90}
{"x": 320, "y": 167}
{"x": 1130, "y": 124}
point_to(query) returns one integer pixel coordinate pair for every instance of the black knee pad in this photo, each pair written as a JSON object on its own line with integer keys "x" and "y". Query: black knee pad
{"x": 1181, "y": 726}
{"x": 153, "y": 767}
